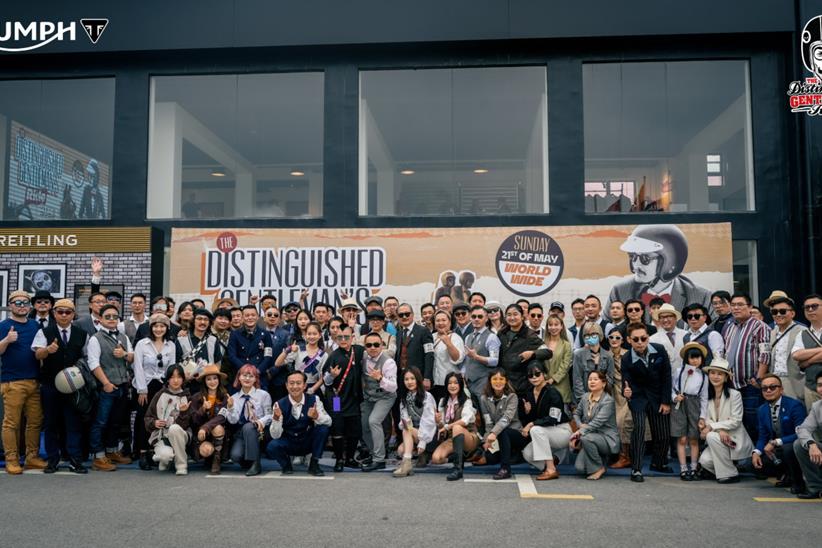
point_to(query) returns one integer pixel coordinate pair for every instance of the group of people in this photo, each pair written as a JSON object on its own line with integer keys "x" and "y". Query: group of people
{"x": 715, "y": 388}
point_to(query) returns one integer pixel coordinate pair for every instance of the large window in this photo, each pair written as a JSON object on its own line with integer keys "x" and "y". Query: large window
{"x": 453, "y": 141}
{"x": 56, "y": 141}
{"x": 235, "y": 146}
{"x": 667, "y": 137}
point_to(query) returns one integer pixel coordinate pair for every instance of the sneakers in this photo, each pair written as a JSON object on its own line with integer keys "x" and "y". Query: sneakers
{"x": 103, "y": 464}
{"x": 52, "y": 466}
{"x": 35, "y": 463}
{"x": 181, "y": 471}
{"x": 118, "y": 458}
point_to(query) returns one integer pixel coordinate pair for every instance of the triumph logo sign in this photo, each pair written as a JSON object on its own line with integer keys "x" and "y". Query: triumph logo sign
{"x": 18, "y": 37}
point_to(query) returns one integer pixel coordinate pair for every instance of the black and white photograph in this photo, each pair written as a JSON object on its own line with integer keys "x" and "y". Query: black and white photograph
{"x": 42, "y": 277}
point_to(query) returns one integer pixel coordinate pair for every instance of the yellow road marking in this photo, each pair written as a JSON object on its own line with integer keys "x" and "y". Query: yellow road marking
{"x": 784, "y": 499}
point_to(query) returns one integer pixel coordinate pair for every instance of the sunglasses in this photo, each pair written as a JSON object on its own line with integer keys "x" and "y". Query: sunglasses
{"x": 460, "y": 313}
{"x": 21, "y": 303}
{"x": 64, "y": 311}
{"x": 644, "y": 259}
{"x": 494, "y": 311}
{"x": 343, "y": 337}
{"x": 272, "y": 315}
{"x": 692, "y": 316}
{"x": 477, "y": 316}
{"x": 159, "y": 359}
{"x": 373, "y": 345}
{"x": 779, "y": 311}
{"x": 534, "y": 374}
{"x": 42, "y": 301}
{"x": 615, "y": 337}
{"x": 639, "y": 339}
{"x": 770, "y": 387}
{"x": 291, "y": 309}
{"x": 811, "y": 307}
{"x": 404, "y": 314}
{"x": 536, "y": 315}
{"x": 633, "y": 309}
{"x": 111, "y": 317}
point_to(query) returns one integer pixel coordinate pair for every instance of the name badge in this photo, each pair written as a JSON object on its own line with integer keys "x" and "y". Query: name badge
{"x": 268, "y": 352}
{"x": 336, "y": 405}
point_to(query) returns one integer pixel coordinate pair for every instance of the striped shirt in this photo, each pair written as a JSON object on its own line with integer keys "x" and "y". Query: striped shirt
{"x": 746, "y": 348}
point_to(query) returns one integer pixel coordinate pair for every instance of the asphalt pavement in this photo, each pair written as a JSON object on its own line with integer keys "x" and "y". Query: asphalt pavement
{"x": 130, "y": 507}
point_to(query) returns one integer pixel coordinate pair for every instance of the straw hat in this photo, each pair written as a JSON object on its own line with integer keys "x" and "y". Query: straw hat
{"x": 720, "y": 364}
{"x": 667, "y": 309}
{"x": 776, "y": 294}
{"x": 702, "y": 349}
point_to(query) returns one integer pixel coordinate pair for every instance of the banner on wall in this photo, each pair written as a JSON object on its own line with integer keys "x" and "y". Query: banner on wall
{"x": 49, "y": 180}
{"x": 681, "y": 263}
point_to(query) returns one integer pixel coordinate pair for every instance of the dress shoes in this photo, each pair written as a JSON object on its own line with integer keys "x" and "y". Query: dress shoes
{"x": 548, "y": 475}
{"x": 77, "y": 467}
{"x": 807, "y": 495}
{"x": 51, "y": 466}
{"x": 373, "y": 466}
{"x": 732, "y": 479}
{"x": 636, "y": 476}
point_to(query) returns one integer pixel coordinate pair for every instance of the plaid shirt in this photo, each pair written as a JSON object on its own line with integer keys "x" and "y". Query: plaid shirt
{"x": 746, "y": 348}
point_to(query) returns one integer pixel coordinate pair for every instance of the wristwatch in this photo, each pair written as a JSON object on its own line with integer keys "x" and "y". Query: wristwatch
{"x": 778, "y": 442}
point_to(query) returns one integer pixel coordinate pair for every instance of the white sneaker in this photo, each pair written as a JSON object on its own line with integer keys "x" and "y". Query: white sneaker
{"x": 162, "y": 466}
{"x": 182, "y": 471}
{"x": 297, "y": 461}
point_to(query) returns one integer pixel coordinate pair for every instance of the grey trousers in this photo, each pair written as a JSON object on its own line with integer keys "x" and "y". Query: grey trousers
{"x": 593, "y": 454}
{"x": 373, "y": 414}
{"x": 246, "y": 444}
{"x": 811, "y": 471}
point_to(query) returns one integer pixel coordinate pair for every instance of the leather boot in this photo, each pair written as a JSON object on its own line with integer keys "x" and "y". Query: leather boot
{"x": 145, "y": 461}
{"x": 459, "y": 445}
{"x": 217, "y": 456}
{"x": 314, "y": 468}
{"x": 406, "y": 468}
{"x": 255, "y": 468}
{"x": 624, "y": 461}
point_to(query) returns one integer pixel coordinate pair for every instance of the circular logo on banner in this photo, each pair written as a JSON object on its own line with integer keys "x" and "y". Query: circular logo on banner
{"x": 529, "y": 263}
{"x": 226, "y": 242}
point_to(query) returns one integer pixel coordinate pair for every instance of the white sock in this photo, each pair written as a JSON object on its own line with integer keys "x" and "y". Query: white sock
{"x": 406, "y": 455}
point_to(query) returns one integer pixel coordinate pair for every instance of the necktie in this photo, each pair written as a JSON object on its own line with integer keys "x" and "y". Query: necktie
{"x": 671, "y": 337}
{"x": 65, "y": 337}
{"x": 244, "y": 415}
{"x": 775, "y": 418}
{"x": 42, "y": 323}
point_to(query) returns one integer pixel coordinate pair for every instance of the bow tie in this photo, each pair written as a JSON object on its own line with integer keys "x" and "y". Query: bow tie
{"x": 114, "y": 333}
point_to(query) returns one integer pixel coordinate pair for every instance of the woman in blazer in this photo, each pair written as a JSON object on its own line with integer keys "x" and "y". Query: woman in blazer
{"x": 559, "y": 374}
{"x": 725, "y": 435}
{"x": 597, "y": 438}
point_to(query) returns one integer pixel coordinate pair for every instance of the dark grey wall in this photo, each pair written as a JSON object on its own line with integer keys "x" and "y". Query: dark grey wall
{"x": 194, "y": 24}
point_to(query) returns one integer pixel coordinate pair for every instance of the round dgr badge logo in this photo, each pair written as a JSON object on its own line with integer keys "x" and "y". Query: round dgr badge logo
{"x": 529, "y": 263}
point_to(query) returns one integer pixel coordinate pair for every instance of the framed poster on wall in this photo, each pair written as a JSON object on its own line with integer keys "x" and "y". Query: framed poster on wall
{"x": 42, "y": 277}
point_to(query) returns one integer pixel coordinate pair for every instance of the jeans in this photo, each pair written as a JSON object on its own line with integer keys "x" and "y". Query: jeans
{"x": 751, "y": 400}
{"x": 106, "y": 425}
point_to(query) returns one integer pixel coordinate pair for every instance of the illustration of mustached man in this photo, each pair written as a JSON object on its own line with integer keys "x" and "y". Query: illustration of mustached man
{"x": 656, "y": 258}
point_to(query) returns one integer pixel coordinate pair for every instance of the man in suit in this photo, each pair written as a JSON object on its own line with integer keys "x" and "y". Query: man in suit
{"x": 669, "y": 336}
{"x": 481, "y": 354}
{"x": 462, "y": 320}
{"x": 535, "y": 316}
{"x": 777, "y": 420}
{"x": 656, "y": 257}
{"x": 593, "y": 314}
{"x": 415, "y": 345}
{"x": 91, "y": 324}
{"x": 251, "y": 345}
{"x": 808, "y": 447}
{"x": 646, "y": 384}
{"x": 41, "y": 312}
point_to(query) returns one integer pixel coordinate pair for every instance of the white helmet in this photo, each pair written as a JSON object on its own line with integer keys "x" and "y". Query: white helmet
{"x": 69, "y": 380}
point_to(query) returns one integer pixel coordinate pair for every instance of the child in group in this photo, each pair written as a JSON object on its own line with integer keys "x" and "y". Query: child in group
{"x": 417, "y": 420}
{"x": 690, "y": 406}
{"x": 208, "y": 416}
{"x": 167, "y": 421}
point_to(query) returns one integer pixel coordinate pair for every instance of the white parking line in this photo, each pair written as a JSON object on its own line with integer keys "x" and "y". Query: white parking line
{"x": 270, "y": 475}
{"x": 527, "y": 490}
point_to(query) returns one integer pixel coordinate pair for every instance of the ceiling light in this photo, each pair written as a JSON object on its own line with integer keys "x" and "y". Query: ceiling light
{"x": 407, "y": 172}
{"x": 297, "y": 173}
{"x": 480, "y": 171}
{"x": 218, "y": 173}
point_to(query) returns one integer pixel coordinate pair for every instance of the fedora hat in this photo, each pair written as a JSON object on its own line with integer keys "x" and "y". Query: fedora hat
{"x": 702, "y": 349}
{"x": 212, "y": 369}
{"x": 720, "y": 364}
{"x": 349, "y": 303}
{"x": 775, "y": 295}
{"x": 667, "y": 308}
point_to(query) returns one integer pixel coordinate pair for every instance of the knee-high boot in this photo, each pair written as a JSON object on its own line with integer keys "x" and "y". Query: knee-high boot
{"x": 217, "y": 456}
{"x": 459, "y": 454}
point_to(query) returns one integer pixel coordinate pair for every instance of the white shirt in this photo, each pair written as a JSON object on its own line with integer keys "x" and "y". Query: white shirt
{"x": 41, "y": 342}
{"x": 93, "y": 352}
{"x": 661, "y": 337}
{"x": 799, "y": 343}
{"x": 443, "y": 364}
{"x": 695, "y": 384}
{"x": 262, "y": 406}
{"x": 145, "y": 364}
{"x": 323, "y": 419}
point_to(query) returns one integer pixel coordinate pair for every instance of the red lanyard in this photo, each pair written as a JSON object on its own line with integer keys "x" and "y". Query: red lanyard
{"x": 345, "y": 375}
